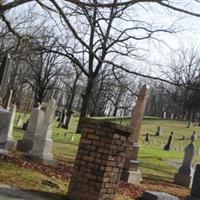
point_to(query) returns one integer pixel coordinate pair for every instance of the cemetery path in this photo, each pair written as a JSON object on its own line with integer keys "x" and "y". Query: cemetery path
{"x": 11, "y": 193}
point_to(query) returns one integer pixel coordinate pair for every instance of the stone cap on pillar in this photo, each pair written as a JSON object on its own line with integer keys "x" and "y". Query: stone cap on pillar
{"x": 122, "y": 130}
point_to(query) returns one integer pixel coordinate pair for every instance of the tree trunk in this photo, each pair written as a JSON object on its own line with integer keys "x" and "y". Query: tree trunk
{"x": 85, "y": 103}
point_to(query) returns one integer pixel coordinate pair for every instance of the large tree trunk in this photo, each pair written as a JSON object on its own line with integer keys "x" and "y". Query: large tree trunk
{"x": 85, "y": 103}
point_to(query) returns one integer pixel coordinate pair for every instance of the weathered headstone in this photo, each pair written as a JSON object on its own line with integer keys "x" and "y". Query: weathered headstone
{"x": 195, "y": 192}
{"x": 9, "y": 100}
{"x": 131, "y": 172}
{"x": 68, "y": 120}
{"x": 189, "y": 125}
{"x": 193, "y": 136}
{"x": 19, "y": 122}
{"x": 147, "y": 139}
{"x": 34, "y": 126}
{"x": 185, "y": 172}
{"x": 172, "y": 116}
{"x": 167, "y": 147}
{"x": 164, "y": 115}
{"x": 11, "y": 142}
{"x": 6, "y": 140}
{"x": 42, "y": 143}
{"x": 158, "y": 131}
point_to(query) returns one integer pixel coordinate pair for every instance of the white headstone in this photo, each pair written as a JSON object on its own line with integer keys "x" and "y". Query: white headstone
{"x": 42, "y": 144}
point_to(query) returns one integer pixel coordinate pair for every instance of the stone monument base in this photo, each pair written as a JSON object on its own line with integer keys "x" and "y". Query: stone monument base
{"x": 24, "y": 145}
{"x": 184, "y": 180}
{"x": 151, "y": 195}
{"x": 9, "y": 145}
{"x": 48, "y": 160}
{"x": 133, "y": 177}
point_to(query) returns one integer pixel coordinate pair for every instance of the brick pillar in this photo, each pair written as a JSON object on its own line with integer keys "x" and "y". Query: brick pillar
{"x": 99, "y": 161}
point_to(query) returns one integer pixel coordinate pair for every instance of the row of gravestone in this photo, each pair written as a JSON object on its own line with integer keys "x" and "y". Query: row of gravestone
{"x": 36, "y": 142}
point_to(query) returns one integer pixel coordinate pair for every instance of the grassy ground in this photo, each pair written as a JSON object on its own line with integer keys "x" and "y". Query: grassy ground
{"x": 155, "y": 163}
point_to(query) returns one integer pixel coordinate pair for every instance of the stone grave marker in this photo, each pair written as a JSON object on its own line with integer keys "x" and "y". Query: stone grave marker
{"x": 158, "y": 131}
{"x": 131, "y": 172}
{"x": 152, "y": 195}
{"x": 42, "y": 142}
{"x": 167, "y": 147}
{"x": 185, "y": 172}
{"x": 164, "y": 115}
{"x": 195, "y": 192}
{"x": 6, "y": 124}
{"x": 33, "y": 127}
{"x": 172, "y": 116}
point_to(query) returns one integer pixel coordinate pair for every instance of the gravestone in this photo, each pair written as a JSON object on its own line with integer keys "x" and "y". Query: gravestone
{"x": 42, "y": 142}
{"x": 19, "y": 122}
{"x": 172, "y": 116}
{"x": 33, "y": 127}
{"x": 131, "y": 172}
{"x": 68, "y": 120}
{"x": 189, "y": 125}
{"x": 193, "y": 136}
{"x": 6, "y": 140}
{"x": 185, "y": 172}
{"x": 167, "y": 147}
{"x": 9, "y": 100}
{"x": 158, "y": 131}
{"x": 164, "y": 115}
{"x": 195, "y": 192}
{"x": 147, "y": 139}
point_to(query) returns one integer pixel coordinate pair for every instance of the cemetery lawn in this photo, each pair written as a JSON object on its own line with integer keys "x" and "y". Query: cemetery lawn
{"x": 157, "y": 166}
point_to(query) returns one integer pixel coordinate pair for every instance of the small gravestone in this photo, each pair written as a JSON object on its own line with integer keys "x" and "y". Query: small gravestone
{"x": 151, "y": 195}
{"x": 193, "y": 136}
{"x": 158, "y": 131}
{"x": 167, "y": 147}
{"x": 189, "y": 125}
{"x": 172, "y": 116}
{"x": 164, "y": 115}
{"x": 19, "y": 123}
{"x": 195, "y": 193}
{"x": 147, "y": 139}
{"x": 186, "y": 172}
{"x": 6, "y": 123}
{"x": 42, "y": 143}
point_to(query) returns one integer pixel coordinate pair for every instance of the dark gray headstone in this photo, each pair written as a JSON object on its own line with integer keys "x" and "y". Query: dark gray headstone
{"x": 150, "y": 195}
{"x": 196, "y": 183}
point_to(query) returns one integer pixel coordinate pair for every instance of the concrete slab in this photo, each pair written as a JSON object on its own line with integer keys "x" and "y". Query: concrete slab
{"x": 10, "y": 193}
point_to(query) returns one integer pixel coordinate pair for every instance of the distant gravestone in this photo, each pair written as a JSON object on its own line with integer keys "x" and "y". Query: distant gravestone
{"x": 167, "y": 147}
{"x": 164, "y": 115}
{"x": 19, "y": 122}
{"x": 172, "y": 116}
{"x": 151, "y": 195}
{"x": 6, "y": 140}
{"x": 189, "y": 125}
{"x": 158, "y": 131}
{"x": 33, "y": 127}
{"x": 195, "y": 192}
{"x": 185, "y": 174}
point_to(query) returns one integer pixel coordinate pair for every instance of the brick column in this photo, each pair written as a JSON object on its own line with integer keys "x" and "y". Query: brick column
{"x": 99, "y": 161}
